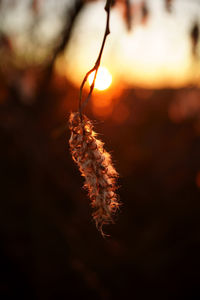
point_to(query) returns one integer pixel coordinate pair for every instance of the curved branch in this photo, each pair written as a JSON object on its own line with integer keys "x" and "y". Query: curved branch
{"x": 97, "y": 64}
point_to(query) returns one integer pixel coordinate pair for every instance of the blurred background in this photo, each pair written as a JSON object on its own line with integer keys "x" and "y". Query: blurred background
{"x": 145, "y": 107}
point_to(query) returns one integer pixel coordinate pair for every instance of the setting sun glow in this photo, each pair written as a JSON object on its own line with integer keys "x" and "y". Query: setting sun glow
{"x": 103, "y": 79}
{"x": 157, "y": 55}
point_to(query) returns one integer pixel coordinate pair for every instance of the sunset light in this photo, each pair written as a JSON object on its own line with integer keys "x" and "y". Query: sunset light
{"x": 100, "y": 149}
{"x": 103, "y": 79}
{"x": 156, "y": 55}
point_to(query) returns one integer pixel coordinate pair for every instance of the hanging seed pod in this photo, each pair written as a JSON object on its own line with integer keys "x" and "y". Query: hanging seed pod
{"x": 96, "y": 167}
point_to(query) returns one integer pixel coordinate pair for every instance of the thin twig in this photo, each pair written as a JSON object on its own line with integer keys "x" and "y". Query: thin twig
{"x": 97, "y": 64}
{"x": 71, "y": 17}
{"x": 70, "y": 21}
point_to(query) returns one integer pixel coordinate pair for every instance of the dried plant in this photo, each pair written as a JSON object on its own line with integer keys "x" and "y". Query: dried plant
{"x": 96, "y": 167}
{"x": 87, "y": 151}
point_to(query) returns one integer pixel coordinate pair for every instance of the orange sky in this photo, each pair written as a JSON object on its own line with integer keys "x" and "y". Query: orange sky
{"x": 153, "y": 56}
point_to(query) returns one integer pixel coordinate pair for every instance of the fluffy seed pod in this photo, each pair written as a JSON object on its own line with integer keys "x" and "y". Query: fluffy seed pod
{"x": 96, "y": 167}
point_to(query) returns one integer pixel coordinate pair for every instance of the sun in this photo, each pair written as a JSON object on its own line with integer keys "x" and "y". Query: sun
{"x": 103, "y": 79}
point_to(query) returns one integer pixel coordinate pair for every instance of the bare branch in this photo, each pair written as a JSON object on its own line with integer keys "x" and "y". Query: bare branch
{"x": 70, "y": 20}
{"x": 71, "y": 17}
{"x": 98, "y": 61}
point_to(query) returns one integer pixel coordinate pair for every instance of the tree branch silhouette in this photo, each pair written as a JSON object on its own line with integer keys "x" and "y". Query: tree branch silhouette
{"x": 98, "y": 61}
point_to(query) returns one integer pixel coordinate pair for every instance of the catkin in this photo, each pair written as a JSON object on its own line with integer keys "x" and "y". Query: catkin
{"x": 96, "y": 167}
